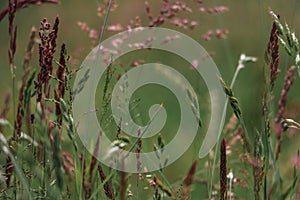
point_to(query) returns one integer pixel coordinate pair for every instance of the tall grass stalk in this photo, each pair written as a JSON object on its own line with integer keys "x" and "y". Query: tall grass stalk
{"x": 241, "y": 65}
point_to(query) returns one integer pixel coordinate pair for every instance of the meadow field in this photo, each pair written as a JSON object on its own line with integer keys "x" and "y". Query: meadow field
{"x": 157, "y": 99}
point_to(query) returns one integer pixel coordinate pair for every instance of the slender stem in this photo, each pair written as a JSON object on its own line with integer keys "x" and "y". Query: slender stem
{"x": 99, "y": 44}
{"x": 239, "y": 67}
{"x": 265, "y": 188}
{"x": 230, "y": 189}
{"x": 104, "y": 24}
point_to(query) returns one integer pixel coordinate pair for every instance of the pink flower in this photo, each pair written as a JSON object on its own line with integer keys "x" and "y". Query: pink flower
{"x": 296, "y": 161}
{"x": 195, "y": 63}
{"x": 115, "y": 27}
{"x": 130, "y": 194}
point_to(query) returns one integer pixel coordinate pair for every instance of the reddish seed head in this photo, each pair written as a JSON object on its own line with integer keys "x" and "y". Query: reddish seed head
{"x": 223, "y": 170}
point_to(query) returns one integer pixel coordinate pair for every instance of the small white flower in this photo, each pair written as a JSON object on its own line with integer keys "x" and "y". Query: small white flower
{"x": 230, "y": 175}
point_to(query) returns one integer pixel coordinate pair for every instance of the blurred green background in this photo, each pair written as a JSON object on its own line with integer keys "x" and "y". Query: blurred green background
{"x": 248, "y": 22}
